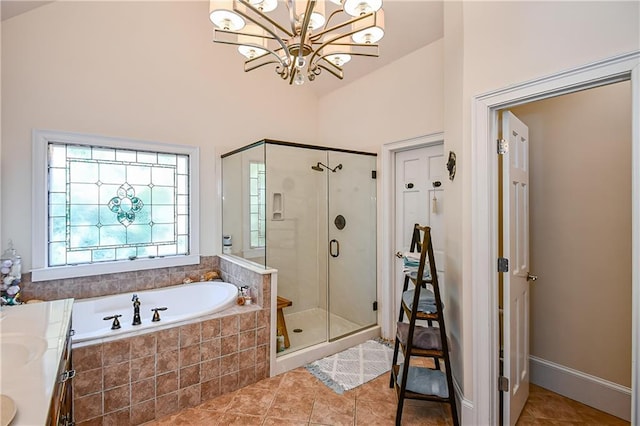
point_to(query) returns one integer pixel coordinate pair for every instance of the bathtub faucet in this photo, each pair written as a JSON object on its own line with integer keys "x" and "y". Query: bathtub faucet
{"x": 136, "y": 310}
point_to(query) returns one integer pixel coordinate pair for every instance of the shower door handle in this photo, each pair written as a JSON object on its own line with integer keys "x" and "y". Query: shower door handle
{"x": 332, "y": 244}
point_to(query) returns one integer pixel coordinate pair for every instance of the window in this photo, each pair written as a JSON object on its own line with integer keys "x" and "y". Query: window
{"x": 257, "y": 204}
{"x": 112, "y": 205}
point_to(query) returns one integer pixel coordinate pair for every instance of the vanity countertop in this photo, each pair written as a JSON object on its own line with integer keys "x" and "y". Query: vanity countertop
{"x": 32, "y": 341}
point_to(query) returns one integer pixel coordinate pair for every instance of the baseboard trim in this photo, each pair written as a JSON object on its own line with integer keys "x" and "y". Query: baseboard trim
{"x": 465, "y": 412}
{"x": 585, "y": 388}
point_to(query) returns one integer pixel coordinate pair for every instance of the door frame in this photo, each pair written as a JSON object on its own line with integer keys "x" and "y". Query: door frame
{"x": 387, "y": 319}
{"x": 484, "y": 214}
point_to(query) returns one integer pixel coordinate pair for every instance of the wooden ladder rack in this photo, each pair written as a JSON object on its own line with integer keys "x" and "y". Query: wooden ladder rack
{"x": 429, "y": 340}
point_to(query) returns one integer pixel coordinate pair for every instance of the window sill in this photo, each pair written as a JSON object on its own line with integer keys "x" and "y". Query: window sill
{"x": 62, "y": 272}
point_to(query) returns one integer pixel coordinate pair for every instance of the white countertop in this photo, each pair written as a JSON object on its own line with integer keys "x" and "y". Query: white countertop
{"x": 31, "y": 385}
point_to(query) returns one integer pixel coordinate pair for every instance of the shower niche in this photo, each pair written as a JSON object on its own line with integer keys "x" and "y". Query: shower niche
{"x": 309, "y": 212}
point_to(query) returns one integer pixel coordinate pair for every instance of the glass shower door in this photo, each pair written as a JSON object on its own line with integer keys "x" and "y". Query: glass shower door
{"x": 352, "y": 243}
{"x": 296, "y": 239}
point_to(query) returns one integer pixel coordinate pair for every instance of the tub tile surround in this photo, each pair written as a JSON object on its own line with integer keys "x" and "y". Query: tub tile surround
{"x": 137, "y": 379}
{"x": 104, "y": 285}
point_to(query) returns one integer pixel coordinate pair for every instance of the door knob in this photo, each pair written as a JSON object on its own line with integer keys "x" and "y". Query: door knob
{"x": 531, "y": 277}
{"x": 399, "y": 254}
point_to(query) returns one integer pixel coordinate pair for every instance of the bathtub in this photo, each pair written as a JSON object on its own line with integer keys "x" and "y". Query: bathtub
{"x": 183, "y": 302}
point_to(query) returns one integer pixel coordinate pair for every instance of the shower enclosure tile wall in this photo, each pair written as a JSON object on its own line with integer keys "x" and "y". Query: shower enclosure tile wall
{"x": 310, "y": 213}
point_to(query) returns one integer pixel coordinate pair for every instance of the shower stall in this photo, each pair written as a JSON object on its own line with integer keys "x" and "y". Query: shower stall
{"x": 309, "y": 212}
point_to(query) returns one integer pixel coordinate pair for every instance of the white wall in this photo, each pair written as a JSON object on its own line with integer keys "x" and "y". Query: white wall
{"x": 140, "y": 70}
{"x": 453, "y": 108}
{"x": 1, "y": 240}
{"x": 506, "y": 43}
{"x": 399, "y": 101}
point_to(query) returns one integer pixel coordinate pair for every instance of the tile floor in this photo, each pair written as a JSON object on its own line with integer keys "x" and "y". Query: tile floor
{"x": 298, "y": 398}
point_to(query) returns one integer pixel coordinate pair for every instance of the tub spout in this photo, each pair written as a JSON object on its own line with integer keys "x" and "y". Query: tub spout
{"x": 136, "y": 310}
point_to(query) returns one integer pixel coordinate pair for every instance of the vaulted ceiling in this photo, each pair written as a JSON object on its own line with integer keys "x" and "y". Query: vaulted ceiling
{"x": 409, "y": 25}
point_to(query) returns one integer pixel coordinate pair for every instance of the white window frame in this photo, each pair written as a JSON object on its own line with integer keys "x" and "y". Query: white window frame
{"x": 40, "y": 207}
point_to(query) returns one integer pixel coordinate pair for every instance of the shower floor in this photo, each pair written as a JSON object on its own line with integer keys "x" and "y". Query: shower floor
{"x": 313, "y": 323}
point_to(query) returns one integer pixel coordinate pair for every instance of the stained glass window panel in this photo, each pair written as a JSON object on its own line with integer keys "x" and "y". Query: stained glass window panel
{"x": 57, "y": 198}
{"x": 162, "y": 195}
{"x": 84, "y": 214}
{"x": 147, "y": 157}
{"x": 78, "y": 151}
{"x": 78, "y": 257}
{"x": 163, "y": 214}
{"x": 101, "y": 255}
{"x": 141, "y": 175}
{"x": 57, "y": 229}
{"x": 182, "y": 224}
{"x": 109, "y": 204}
{"x": 83, "y": 172}
{"x": 57, "y": 253}
{"x": 112, "y": 235}
{"x": 112, "y": 173}
{"x": 83, "y": 193}
{"x": 57, "y": 210}
{"x": 162, "y": 233}
{"x": 163, "y": 176}
{"x": 83, "y": 236}
{"x": 169, "y": 159}
{"x": 150, "y": 251}
{"x": 125, "y": 156}
{"x": 104, "y": 154}
{"x": 125, "y": 253}
{"x": 167, "y": 250}
{"x": 57, "y": 180}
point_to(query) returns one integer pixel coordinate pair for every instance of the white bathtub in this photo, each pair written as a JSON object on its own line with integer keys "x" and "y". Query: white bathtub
{"x": 183, "y": 302}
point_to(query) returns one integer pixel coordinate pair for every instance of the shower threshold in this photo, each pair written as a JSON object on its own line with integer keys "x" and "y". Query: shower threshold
{"x": 312, "y": 343}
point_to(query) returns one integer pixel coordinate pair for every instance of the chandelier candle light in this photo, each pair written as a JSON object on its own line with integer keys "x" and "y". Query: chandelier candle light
{"x": 319, "y": 35}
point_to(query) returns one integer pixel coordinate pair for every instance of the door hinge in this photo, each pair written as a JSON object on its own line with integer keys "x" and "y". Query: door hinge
{"x": 375, "y": 305}
{"x": 503, "y": 264}
{"x": 503, "y": 384}
{"x": 503, "y": 146}
{"x": 374, "y": 174}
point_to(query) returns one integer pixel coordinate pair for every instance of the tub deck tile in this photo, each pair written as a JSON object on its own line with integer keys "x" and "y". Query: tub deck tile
{"x": 190, "y": 335}
{"x": 143, "y": 368}
{"x": 166, "y": 361}
{"x": 116, "y": 375}
{"x": 189, "y": 355}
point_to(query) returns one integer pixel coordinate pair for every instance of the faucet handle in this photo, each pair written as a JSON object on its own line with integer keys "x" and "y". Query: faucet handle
{"x": 156, "y": 315}
{"x": 134, "y": 298}
{"x": 116, "y": 322}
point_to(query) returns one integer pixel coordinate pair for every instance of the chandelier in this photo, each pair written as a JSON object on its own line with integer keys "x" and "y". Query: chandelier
{"x": 318, "y": 35}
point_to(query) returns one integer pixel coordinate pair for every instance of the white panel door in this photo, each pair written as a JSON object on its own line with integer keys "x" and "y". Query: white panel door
{"x": 515, "y": 205}
{"x": 419, "y": 199}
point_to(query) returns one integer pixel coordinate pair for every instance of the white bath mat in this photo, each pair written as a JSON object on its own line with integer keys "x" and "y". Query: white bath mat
{"x": 354, "y": 366}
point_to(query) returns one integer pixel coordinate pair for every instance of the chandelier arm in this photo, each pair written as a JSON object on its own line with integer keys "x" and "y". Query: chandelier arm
{"x": 236, "y": 43}
{"x": 248, "y": 67}
{"x": 336, "y": 27}
{"x": 303, "y": 34}
{"x": 334, "y": 13}
{"x": 275, "y": 24}
{"x": 305, "y": 25}
{"x": 292, "y": 16}
{"x": 275, "y": 36}
{"x": 336, "y": 71}
{"x": 317, "y": 51}
{"x": 307, "y": 18}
